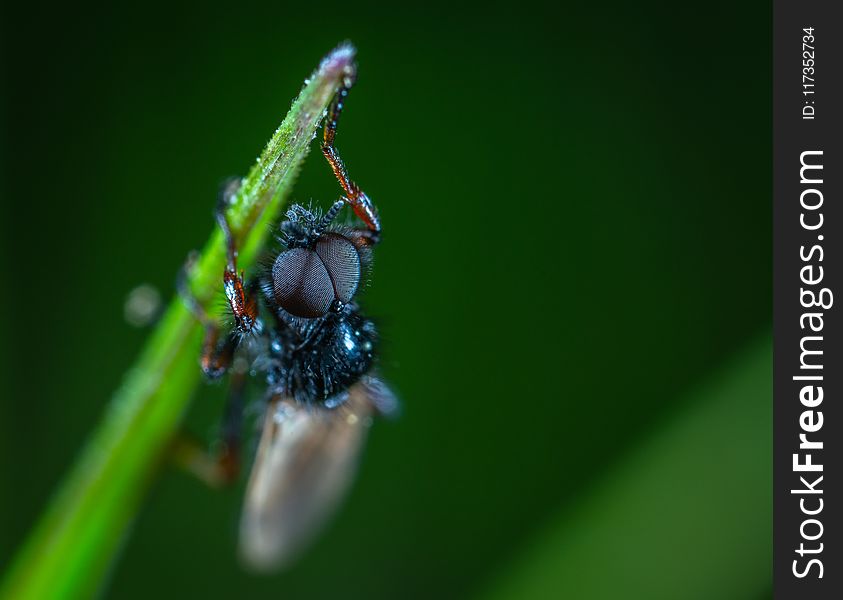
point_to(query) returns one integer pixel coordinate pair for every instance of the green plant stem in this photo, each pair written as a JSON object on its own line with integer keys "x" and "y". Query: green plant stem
{"x": 71, "y": 549}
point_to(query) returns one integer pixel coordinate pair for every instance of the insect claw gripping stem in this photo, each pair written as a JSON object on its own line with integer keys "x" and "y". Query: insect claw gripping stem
{"x": 354, "y": 196}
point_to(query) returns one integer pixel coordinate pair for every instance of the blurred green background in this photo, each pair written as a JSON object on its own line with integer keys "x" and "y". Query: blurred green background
{"x": 574, "y": 285}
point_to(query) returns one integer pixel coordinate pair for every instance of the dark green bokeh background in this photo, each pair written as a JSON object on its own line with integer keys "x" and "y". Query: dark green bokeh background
{"x": 577, "y": 235}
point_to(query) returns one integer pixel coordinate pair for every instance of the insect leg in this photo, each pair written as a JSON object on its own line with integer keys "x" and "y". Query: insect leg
{"x": 217, "y": 354}
{"x": 354, "y": 196}
{"x": 223, "y": 465}
{"x": 242, "y": 300}
{"x": 228, "y": 457}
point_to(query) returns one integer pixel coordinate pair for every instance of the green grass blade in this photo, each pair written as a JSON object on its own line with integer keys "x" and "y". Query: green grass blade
{"x": 686, "y": 515}
{"x": 69, "y": 552}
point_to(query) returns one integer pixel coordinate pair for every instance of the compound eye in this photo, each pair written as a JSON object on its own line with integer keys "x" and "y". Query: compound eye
{"x": 301, "y": 283}
{"x": 342, "y": 260}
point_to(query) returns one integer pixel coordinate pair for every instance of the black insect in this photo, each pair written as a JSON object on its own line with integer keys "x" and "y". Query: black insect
{"x": 298, "y": 323}
{"x": 326, "y": 344}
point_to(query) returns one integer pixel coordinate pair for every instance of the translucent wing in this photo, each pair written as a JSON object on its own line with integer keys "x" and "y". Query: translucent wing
{"x": 305, "y": 461}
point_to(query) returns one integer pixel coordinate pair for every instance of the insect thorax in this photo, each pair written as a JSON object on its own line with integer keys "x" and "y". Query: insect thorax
{"x": 315, "y": 361}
